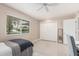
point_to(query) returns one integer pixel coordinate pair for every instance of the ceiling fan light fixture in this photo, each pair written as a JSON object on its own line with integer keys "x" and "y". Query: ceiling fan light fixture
{"x": 46, "y": 6}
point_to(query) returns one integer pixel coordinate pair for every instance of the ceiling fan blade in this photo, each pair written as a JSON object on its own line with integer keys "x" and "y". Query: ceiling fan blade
{"x": 46, "y": 8}
{"x": 52, "y": 4}
{"x": 40, "y": 8}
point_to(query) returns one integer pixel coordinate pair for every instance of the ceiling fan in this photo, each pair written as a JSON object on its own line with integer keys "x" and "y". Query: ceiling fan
{"x": 46, "y": 6}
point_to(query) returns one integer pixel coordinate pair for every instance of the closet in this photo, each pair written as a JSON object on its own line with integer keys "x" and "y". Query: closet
{"x": 48, "y": 31}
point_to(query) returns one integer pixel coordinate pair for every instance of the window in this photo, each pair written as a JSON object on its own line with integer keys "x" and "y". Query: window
{"x": 16, "y": 25}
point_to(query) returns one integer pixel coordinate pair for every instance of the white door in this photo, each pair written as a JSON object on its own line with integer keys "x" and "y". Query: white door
{"x": 48, "y": 31}
{"x": 68, "y": 29}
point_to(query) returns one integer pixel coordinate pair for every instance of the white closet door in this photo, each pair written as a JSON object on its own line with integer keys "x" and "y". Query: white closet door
{"x": 48, "y": 31}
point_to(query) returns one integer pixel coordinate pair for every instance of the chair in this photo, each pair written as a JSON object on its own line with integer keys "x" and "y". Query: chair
{"x": 72, "y": 46}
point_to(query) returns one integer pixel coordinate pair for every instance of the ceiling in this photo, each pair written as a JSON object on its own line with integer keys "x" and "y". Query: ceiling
{"x": 61, "y": 9}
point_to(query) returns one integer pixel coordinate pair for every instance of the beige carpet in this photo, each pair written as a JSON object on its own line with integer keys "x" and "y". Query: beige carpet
{"x": 49, "y": 48}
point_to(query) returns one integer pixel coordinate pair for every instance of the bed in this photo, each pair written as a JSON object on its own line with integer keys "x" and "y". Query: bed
{"x": 16, "y": 47}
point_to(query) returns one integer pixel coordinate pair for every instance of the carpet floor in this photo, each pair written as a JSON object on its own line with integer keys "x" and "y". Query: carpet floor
{"x": 49, "y": 48}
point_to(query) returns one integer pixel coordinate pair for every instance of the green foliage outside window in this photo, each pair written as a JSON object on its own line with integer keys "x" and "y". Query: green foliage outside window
{"x": 16, "y": 25}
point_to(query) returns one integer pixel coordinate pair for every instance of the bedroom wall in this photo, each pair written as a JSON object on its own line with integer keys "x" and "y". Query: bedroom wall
{"x": 34, "y": 24}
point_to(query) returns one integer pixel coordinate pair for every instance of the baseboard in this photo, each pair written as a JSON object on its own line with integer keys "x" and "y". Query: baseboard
{"x": 36, "y": 40}
{"x": 47, "y": 40}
